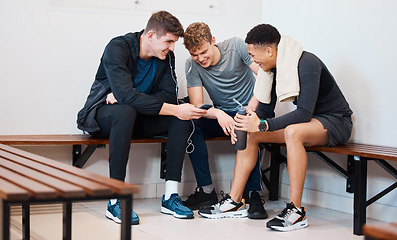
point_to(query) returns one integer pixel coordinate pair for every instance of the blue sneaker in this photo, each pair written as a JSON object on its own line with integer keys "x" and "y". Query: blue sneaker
{"x": 114, "y": 213}
{"x": 175, "y": 207}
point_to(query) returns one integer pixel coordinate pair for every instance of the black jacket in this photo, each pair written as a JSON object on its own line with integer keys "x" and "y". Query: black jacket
{"x": 115, "y": 74}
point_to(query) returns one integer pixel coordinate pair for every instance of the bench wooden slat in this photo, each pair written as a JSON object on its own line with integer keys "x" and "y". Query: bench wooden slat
{"x": 72, "y": 184}
{"x": 384, "y": 231}
{"x": 117, "y": 187}
{"x": 372, "y": 148}
{"x": 64, "y": 139}
{"x": 18, "y": 185}
{"x": 35, "y": 189}
{"x": 12, "y": 192}
{"x": 362, "y": 150}
{"x": 64, "y": 189}
{"x": 74, "y": 139}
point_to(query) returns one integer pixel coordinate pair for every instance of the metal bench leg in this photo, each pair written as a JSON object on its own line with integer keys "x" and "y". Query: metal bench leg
{"x": 274, "y": 174}
{"x": 163, "y": 162}
{"x": 360, "y": 194}
{"x": 4, "y": 220}
{"x": 126, "y": 207}
{"x": 67, "y": 220}
{"x": 26, "y": 221}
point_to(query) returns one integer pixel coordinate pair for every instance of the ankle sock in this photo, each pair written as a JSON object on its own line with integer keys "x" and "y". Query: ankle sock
{"x": 208, "y": 189}
{"x": 113, "y": 201}
{"x": 251, "y": 192}
{"x": 170, "y": 188}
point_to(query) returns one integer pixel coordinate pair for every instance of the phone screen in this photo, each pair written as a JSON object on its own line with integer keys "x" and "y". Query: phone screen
{"x": 206, "y": 106}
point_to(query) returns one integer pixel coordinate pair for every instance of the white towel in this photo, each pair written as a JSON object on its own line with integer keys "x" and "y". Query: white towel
{"x": 287, "y": 85}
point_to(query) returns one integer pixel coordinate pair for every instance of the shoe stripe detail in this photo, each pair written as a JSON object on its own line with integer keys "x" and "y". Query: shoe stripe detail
{"x": 302, "y": 216}
{"x": 234, "y": 208}
{"x": 240, "y": 207}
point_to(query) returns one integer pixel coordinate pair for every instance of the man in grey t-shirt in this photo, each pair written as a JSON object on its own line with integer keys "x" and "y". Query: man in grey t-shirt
{"x": 226, "y": 72}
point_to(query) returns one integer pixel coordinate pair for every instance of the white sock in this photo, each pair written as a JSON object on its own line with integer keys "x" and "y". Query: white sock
{"x": 170, "y": 188}
{"x": 208, "y": 189}
{"x": 113, "y": 201}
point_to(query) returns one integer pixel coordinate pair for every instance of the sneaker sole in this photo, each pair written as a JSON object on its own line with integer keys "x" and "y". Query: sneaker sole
{"x": 169, "y": 212}
{"x": 257, "y": 215}
{"x": 238, "y": 214}
{"x": 117, "y": 220}
{"x": 296, "y": 226}
{"x": 111, "y": 217}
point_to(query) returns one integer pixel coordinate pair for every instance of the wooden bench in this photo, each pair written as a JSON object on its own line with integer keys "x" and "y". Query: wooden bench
{"x": 26, "y": 179}
{"x": 77, "y": 140}
{"x": 380, "y": 231}
{"x": 355, "y": 173}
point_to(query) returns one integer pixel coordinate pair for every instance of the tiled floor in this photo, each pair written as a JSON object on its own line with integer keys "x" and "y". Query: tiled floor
{"x": 89, "y": 222}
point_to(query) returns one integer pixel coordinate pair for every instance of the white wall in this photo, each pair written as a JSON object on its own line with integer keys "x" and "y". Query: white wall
{"x": 356, "y": 39}
{"x": 49, "y": 54}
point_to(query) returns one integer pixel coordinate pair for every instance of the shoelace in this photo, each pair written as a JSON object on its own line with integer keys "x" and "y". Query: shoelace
{"x": 175, "y": 200}
{"x": 261, "y": 201}
{"x": 224, "y": 198}
{"x": 118, "y": 203}
{"x": 287, "y": 211}
{"x": 193, "y": 195}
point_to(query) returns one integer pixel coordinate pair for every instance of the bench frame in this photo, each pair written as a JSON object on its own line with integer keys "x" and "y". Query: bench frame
{"x": 5, "y": 206}
{"x": 32, "y": 179}
{"x": 355, "y": 173}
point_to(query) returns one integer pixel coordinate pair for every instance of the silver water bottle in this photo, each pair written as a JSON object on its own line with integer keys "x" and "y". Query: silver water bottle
{"x": 241, "y": 143}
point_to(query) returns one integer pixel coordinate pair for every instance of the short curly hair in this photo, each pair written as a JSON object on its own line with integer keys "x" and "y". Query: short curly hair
{"x": 263, "y": 34}
{"x": 196, "y": 35}
{"x": 163, "y": 22}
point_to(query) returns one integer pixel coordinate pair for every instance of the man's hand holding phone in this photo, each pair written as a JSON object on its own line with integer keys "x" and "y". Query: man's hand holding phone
{"x": 205, "y": 106}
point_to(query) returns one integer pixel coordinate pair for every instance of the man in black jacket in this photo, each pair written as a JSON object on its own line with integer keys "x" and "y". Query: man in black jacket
{"x": 134, "y": 95}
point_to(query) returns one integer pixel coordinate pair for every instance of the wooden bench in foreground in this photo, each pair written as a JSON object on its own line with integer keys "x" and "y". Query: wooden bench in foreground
{"x": 26, "y": 179}
{"x": 380, "y": 231}
{"x": 355, "y": 173}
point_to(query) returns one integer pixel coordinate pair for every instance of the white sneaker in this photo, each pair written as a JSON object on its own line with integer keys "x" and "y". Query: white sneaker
{"x": 289, "y": 219}
{"x": 226, "y": 208}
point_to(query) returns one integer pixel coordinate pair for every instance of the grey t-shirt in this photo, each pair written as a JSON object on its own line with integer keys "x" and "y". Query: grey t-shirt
{"x": 230, "y": 78}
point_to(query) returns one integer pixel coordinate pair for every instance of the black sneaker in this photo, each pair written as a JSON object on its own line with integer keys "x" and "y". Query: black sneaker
{"x": 256, "y": 210}
{"x": 199, "y": 198}
{"x": 289, "y": 219}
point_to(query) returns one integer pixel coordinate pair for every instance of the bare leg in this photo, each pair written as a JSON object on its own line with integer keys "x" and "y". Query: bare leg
{"x": 296, "y": 137}
{"x": 246, "y": 160}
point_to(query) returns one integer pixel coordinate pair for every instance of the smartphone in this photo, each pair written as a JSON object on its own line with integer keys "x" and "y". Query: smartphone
{"x": 206, "y": 106}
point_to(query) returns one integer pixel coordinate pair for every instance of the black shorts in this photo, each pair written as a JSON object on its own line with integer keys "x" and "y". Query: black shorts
{"x": 339, "y": 127}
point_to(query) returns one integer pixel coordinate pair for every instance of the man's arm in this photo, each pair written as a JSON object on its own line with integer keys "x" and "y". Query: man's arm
{"x": 254, "y": 67}
{"x": 225, "y": 121}
{"x": 184, "y": 111}
{"x": 196, "y": 95}
{"x": 253, "y": 104}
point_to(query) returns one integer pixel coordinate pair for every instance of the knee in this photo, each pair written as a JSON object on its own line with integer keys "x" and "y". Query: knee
{"x": 124, "y": 113}
{"x": 185, "y": 125}
{"x": 291, "y": 134}
{"x": 254, "y": 138}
